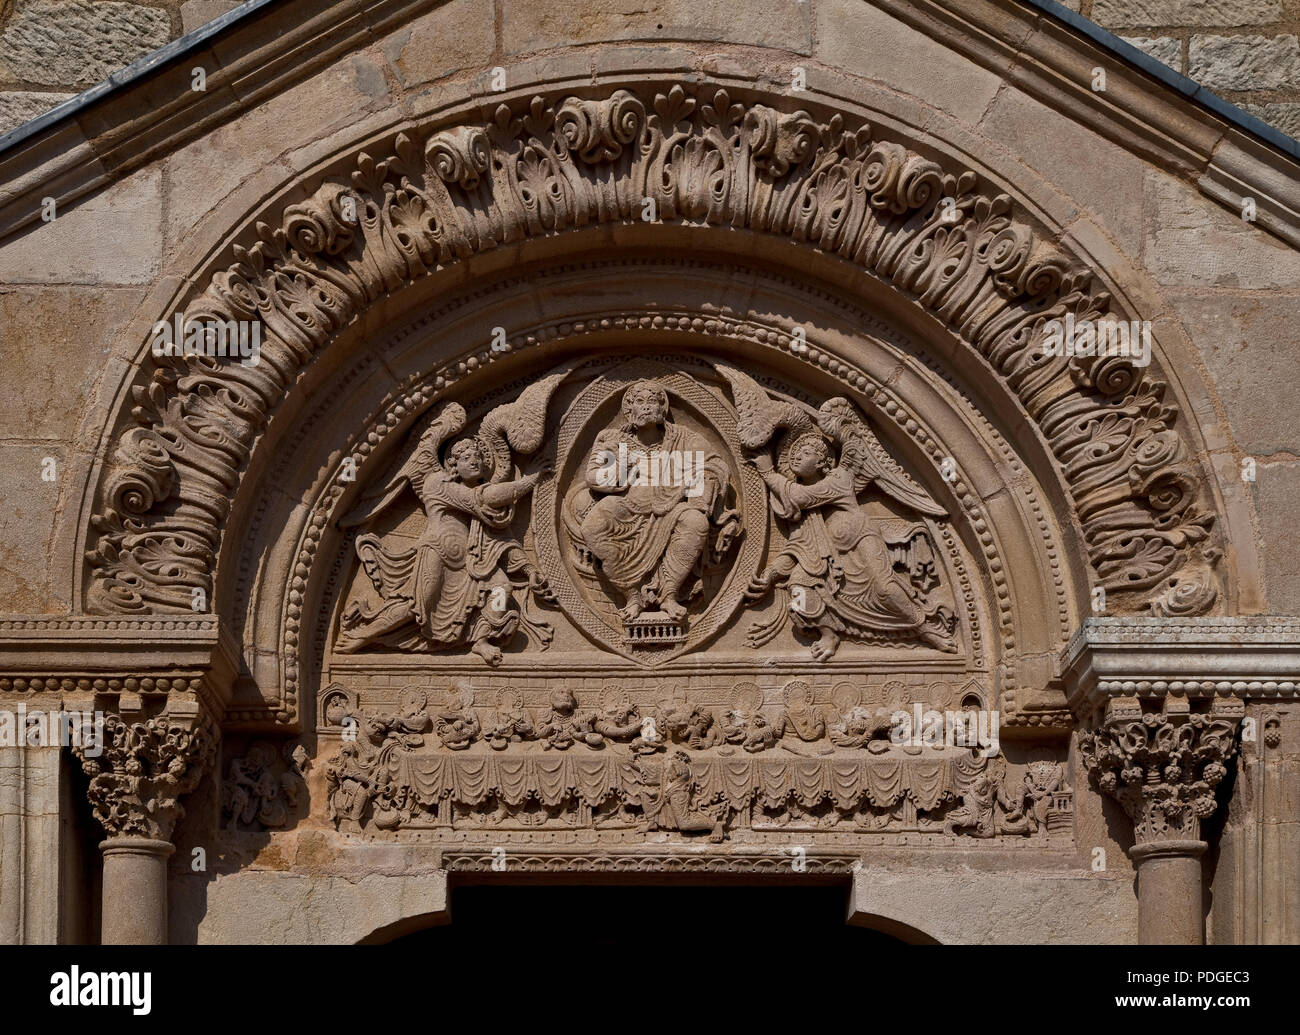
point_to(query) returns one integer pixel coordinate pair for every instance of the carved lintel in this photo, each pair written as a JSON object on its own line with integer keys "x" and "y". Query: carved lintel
{"x": 1163, "y": 767}
{"x": 143, "y": 766}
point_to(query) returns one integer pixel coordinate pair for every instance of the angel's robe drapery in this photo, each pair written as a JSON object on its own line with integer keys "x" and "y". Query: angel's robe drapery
{"x": 446, "y": 575}
{"x": 838, "y": 554}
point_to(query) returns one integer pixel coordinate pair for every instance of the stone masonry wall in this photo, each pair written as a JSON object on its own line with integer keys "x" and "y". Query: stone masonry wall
{"x": 51, "y": 50}
{"x": 1247, "y": 51}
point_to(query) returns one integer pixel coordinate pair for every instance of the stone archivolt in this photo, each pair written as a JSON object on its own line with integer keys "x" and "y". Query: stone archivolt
{"x": 707, "y": 160}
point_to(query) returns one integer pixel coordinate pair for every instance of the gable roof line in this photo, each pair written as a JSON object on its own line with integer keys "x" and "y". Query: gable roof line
{"x": 1159, "y": 70}
{"x": 191, "y": 42}
{"x": 81, "y": 146}
{"x": 186, "y": 43}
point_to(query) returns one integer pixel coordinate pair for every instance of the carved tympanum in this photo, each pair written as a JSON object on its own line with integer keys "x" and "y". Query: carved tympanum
{"x": 638, "y": 531}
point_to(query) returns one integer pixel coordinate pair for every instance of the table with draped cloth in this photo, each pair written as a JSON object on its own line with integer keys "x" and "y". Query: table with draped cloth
{"x": 848, "y": 780}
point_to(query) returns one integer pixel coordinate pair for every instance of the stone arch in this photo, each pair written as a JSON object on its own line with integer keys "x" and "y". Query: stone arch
{"x": 538, "y": 168}
{"x": 904, "y": 932}
{"x": 1039, "y": 604}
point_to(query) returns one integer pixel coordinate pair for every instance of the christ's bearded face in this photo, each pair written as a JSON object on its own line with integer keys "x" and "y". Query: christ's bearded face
{"x": 645, "y": 405}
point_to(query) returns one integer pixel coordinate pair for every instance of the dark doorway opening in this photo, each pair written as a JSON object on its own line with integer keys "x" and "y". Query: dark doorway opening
{"x": 561, "y": 917}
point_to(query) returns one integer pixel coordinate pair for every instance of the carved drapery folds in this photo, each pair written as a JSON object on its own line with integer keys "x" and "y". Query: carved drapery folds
{"x": 145, "y": 766}
{"x": 649, "y": 526}
{"x": 933, "y": 233}
{"x": 1163, "y": 767}
{"x": 603, "y": 763}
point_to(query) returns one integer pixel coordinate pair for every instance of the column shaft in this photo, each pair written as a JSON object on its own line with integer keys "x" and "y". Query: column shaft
{"x": 135, "y": 891}
{"x": 1169, "y": 892}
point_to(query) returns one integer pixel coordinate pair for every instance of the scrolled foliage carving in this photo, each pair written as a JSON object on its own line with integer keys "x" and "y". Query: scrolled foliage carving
{"x": 932, "y": 233}
{"x": 143, "y": 770}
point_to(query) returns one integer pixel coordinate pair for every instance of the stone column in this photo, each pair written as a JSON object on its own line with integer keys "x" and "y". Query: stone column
{"x": 135, "y": 788}
{"x": 32, "y": 840}
{"x": 1163, "y": 768}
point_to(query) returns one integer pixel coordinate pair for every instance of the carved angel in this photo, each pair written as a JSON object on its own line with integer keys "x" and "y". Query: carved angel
{"x": 463, "y": 580}
{"x": 846, "y": 573}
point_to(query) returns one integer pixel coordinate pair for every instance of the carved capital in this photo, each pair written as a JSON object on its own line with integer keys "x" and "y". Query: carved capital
{"x": 142, "y": 767}
{"x": 1163, "y": 767}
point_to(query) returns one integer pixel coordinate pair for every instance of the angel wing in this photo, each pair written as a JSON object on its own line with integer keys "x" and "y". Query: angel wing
{"x": 423, "y": 459}
{"x": 760, "y": 417}
{"x": 518, "y": 425}
{"x": 862, "y": 453}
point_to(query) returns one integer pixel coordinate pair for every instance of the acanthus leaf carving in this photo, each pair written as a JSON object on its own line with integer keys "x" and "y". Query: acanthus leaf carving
{"x": 581, "y": 161}
{"x": 1163, "y": 767}
{"x": 144, "y": 768}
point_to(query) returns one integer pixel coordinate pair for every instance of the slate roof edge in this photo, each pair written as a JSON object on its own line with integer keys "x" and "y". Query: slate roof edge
{"x": 187, "y": 43}
{"x": 1159, "y": 70}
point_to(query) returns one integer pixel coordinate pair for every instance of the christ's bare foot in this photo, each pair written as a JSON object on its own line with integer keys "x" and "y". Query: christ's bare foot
{"x": 672, "y": 609}
{"x": 826, "y": 646}
{"x": 632, "y": 608}
{"x": 489, "y": 652}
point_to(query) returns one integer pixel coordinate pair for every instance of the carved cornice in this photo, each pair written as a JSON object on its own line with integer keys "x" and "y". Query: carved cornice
{"x": 145, "y": 766}
{"x": 935, "y": 235}
{"x": 1163, "y": 768}
{"x": 147, "y": 655}
{"x": 1192, "y": 657}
